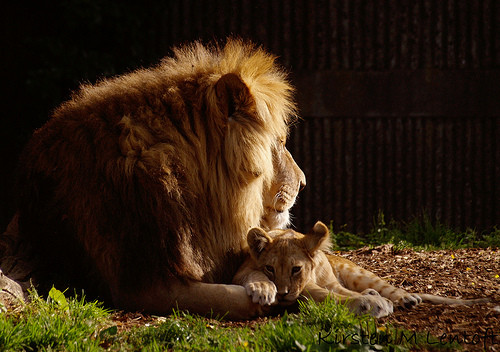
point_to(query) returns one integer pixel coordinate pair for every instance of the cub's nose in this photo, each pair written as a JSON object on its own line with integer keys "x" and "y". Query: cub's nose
{"x": 280, "y": 296}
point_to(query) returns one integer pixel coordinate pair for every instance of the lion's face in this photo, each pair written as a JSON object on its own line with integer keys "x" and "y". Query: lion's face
{"x": 288, "y": 258}
{"x": 287, "y": 182}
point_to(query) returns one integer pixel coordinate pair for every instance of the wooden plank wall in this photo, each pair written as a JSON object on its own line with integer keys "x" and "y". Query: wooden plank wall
{"x": 400, "y": 101}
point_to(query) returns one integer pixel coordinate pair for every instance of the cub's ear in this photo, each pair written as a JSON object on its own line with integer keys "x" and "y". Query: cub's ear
{"x": 232, "y": 94}
{"x": 257, "y": 240}
{"x": 318, "y": 238}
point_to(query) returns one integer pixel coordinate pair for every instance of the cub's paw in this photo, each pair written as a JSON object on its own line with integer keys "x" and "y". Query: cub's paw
{"x": 262, "y": 292}
{"x": 408, "y": 300}
{"x": 373, "y": 304}
{"x": 371, "y": 292}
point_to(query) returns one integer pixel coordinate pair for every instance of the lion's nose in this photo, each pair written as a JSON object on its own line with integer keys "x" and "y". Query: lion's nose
{"x": 302, "y": 185}
{"x": 302, "y": 181}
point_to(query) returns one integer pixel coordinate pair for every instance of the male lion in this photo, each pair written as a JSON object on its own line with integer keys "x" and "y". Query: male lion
{"x": 284, "y": 265}
{"x": 143, "y": 187}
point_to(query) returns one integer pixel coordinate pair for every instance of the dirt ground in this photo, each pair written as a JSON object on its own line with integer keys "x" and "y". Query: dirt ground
{"x": 465, "y": 273}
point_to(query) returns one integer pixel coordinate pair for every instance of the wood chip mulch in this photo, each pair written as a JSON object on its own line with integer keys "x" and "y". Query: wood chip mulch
{"x": 463, "y": 273}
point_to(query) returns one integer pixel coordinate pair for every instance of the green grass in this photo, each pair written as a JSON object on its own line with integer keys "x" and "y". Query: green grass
{"x": 53, "y": 324}
{"x": 70, "y": 323}
{"x": 420, "y": 233}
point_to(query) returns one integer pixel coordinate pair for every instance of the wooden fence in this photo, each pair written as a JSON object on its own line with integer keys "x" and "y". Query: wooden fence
{"x": 400, "y": 99}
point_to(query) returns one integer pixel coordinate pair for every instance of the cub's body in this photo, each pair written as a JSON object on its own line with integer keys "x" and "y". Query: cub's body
{"x": 285, "y": 265}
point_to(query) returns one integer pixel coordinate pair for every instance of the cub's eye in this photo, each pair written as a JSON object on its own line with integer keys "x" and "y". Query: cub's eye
{"x": 296, "y": 269}
{"x": 270, "y": 269}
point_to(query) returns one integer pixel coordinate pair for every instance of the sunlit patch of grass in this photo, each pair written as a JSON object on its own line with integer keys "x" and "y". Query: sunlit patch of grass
{"x": 59, "y": 323}
{"x": 420, "y": 233}
{"x": 53, "y": 324}
{"x": 323, "y": 326}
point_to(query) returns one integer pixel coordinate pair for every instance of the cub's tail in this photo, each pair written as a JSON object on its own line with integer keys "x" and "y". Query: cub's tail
{"x": 445, "y": 300}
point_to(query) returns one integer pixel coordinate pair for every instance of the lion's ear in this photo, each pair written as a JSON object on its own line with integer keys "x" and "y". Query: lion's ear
{"x": 257, "y": 240}
{"x": 232, "y": 94}
{"x": 318, "y": 238}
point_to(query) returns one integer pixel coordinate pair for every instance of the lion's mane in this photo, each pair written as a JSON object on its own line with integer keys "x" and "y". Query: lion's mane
{"x": 157, "y": 173}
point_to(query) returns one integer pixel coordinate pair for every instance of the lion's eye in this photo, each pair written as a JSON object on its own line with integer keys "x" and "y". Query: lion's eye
{"x": 296, "y": 269}
{"x": 282, "y": 142}
{"x": 270, "y": 269}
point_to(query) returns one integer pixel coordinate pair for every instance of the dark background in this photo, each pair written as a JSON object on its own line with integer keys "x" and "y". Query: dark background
{"x": 400, "y": 99}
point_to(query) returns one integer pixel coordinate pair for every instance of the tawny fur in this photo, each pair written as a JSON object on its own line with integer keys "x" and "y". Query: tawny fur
{"x": 144, "y": 186}
{"x": 284, "y": 265}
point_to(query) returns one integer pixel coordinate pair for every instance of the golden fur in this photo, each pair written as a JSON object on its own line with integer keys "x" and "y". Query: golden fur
{"x": 143, "y": 187}
{"x": 284, "y": 265}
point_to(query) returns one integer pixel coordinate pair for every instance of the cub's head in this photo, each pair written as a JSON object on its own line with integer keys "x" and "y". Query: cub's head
{"x": 288, "y": 258}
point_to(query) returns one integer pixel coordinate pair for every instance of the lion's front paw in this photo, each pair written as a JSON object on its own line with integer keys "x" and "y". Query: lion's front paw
{"x": 370, "y": 303}
{"x": 262, "y": 292}
{"x": 408, "y": 300}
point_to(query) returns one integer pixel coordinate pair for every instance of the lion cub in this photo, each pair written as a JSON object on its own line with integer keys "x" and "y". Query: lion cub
{"x": 284, "y": 265}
